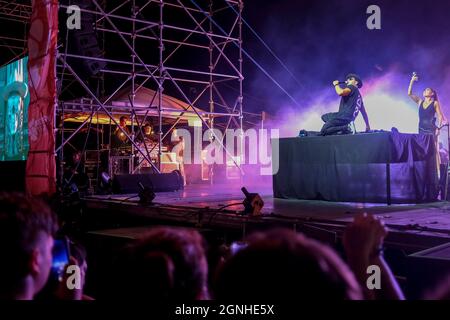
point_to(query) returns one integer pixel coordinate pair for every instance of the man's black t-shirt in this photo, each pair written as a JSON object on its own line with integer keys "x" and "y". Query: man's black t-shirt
{"x": 119, "y": 139}
{"x": 351, "y": 104}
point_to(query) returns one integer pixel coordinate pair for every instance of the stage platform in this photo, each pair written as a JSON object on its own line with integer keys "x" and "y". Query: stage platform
{"x": 379, "y": 167}
{"x": 412, "y": 227}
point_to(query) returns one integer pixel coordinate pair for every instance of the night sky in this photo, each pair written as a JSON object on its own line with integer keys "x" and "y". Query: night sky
{"x": 323, "y": 40}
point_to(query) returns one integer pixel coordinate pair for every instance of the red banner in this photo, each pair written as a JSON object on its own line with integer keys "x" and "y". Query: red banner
{"x": 42, "y": 43}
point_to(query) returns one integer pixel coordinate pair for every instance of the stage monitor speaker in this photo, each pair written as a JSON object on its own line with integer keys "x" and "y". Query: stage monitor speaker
{"x": 158, "y": 182}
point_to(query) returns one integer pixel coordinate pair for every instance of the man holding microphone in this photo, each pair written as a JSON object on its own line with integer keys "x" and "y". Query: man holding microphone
{"x": 349, "y": 107}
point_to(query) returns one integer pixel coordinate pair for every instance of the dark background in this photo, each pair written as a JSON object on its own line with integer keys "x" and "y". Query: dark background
{"x": 322, "y": 40}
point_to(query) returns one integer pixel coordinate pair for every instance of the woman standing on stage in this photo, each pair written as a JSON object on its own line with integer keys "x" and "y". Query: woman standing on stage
{"x": 429, "y": 107}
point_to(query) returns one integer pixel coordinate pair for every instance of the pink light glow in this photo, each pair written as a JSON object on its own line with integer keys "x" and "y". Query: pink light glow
{"x": 385, "y": 99}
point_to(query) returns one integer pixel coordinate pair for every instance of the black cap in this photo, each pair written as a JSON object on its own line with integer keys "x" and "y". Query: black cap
{"x": 357, "y": 78}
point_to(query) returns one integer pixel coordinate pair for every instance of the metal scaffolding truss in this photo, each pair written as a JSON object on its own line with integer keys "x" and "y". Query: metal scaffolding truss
{"x": 154, "y": 33}
{"x": 15, "y": 16}
{"x": 15, "y": 10}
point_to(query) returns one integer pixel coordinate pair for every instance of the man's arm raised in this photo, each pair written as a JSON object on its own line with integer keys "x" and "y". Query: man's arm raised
{"x": 342, "y": 92}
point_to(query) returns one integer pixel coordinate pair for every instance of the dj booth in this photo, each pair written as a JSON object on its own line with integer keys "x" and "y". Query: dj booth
{"x": 386, "y": 167}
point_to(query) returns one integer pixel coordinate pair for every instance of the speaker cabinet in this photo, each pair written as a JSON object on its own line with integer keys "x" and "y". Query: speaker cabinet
{"x": 159, "y": 182}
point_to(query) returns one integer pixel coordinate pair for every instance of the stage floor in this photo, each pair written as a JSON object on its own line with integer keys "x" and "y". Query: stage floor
{"x": 422, "y": 222}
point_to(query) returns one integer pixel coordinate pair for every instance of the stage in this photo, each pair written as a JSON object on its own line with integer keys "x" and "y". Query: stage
{"x": 412, "y": 227}
{"x": 376, "y": 167}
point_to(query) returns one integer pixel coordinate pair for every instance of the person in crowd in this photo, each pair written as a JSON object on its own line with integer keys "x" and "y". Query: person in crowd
{"x": 57, "y": 289}
{"x": 27, "y": 228}
{"x": 79, "y": 254}
{"x": 278, "y": 263}
{"x": 441, "y": 291}
{"x": 363, "y": 245}
{"x": 166, "y": 264}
